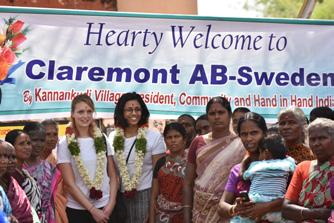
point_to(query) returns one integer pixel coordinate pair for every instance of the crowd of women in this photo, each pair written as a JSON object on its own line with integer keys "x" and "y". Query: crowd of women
{"x": 223, "y": 167}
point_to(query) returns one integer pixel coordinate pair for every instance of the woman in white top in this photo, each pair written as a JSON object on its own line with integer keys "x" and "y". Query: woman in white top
{"x": 136, "y": 151}
{"x": 86, "y": 163}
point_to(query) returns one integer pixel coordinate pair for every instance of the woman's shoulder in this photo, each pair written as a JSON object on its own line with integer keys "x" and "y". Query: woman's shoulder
{"x": 62, "y": 140}
{"x": 152, "y": 133}
{"x": 200, "y": 140}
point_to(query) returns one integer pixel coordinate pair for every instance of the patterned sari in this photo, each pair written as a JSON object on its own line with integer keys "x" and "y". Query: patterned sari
{"x": 30, "y": 187}
{"x": 315, "y": 191}
{"x": 43, "y": 173}
{"x": 169, "y": 201}
{"x": 19, "y": 202}
{"x": 214, "y": 162}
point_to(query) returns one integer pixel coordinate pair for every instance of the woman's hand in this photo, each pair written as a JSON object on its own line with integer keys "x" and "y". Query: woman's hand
{"x": 107, "y": 210}
{"x": 257, "y": 211}
{"x": 242, "y": 208}
{"x": 12, "y": 219}
{"x": 99, "y": 215}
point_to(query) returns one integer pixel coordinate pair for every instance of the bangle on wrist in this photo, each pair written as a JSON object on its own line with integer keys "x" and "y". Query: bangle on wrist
{"x": 301, "y": 214}
{"x": 231, "y": 211}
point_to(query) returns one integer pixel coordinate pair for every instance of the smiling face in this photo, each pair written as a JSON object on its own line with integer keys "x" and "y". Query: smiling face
{"x": 175, "y": 141}
{"x": 321, "y": 143}
{"x": 82, "y": 115}
{"x": 218, "y": 117}
{"x": 132, "y": 113}
{"x": 23, "y": 147}
{"x": 251, "y": 135}
{"x": 290, "y": 128}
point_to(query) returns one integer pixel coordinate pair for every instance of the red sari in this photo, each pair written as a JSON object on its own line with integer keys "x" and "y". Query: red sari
{"x": 170, "y": 199}
{"x": 19, "y": 202}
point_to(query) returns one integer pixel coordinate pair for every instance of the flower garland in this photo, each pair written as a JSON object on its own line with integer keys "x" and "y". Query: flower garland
{"x": 130, "y": 184}
{"x": 100, "y": 147}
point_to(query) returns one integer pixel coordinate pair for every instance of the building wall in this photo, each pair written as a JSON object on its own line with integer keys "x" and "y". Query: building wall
{"x": 109, "y": 5}
{"x": 158, "y": 6}
{"x": 149, "y": 6}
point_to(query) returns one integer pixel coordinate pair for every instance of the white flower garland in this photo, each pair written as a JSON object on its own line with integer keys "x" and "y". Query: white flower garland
{"x": 101, "y": 156}
{"x": 130, "y": 183}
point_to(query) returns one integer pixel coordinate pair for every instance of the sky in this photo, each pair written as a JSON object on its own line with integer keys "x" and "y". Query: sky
{"x": 224, "y": 8}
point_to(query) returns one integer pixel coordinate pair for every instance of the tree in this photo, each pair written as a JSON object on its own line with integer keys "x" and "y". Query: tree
{"x": 289, "y": 9}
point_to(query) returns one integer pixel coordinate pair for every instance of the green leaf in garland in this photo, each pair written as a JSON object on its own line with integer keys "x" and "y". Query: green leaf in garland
{"x": 118, "y": 143}
{"x": 141, "y": 145}
{"x": 74, "y": 149}
{"x": 99, "y": 144}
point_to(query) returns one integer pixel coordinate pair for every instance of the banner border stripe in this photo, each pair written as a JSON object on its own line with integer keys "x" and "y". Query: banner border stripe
{"x": 9, "y": 9}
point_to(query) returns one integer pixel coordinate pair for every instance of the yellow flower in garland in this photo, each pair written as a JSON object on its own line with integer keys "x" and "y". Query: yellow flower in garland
{"x": 130, "y": 183}
{"x": 100, "y": 147}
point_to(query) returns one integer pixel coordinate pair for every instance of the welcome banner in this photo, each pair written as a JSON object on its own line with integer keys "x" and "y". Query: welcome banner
{"x": 177, "y": 63}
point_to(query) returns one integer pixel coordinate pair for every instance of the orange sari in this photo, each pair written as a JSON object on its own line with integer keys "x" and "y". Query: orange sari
{"x": 214, "y": 162}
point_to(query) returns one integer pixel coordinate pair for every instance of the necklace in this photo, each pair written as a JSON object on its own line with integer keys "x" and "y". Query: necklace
{"x": 130, "y": 184}
{"x": 100, "y": 148}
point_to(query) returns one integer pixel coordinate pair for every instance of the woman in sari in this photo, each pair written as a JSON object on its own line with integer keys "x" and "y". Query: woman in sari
{"x": 167, "y": 188}
{"x": 210, "y": 159}
{"x": 21, "y": 142}
{"x": 19, "y": 201}
{"x": 50, "y": 154}
{"x": 308, "y": 198}
{"x": 291, "y": 126}
{"x": 252, "y": 129}
{"x": 40, "y": 169}
{"x": 4, "y": 202}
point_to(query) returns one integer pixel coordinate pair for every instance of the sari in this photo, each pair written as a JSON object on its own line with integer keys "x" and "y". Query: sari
{"x": 59, "y": 197}
{"x": 300, "y": 153}
{"x": 19, "y": 202}
{"x": 170, "y": 199}
{"x": 316, "y": 191}
{"x": 43, "y": 172}
{"x": 4, "y": 203}
{"x": 30, "y": 187}
{"x": 214, "y": 162}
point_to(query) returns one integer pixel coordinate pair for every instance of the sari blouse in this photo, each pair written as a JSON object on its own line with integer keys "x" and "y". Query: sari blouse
{"x": 300, "y": 153}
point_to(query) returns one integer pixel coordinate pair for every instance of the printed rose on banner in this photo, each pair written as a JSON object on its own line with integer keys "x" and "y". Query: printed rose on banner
{"x": 12, "y": 36}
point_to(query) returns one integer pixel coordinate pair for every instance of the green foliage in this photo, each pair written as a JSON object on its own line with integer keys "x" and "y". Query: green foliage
{"x": 324, "y": 10}
{"x": 118, "y": 143}
{"x": 141, "y": 145}
{"x": 290, "y": 9}
{"x": 99, "y": 144}
{"x": 74, "y": 148}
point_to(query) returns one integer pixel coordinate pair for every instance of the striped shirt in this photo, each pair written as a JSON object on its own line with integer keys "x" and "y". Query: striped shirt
{"x": 269, "y": 178}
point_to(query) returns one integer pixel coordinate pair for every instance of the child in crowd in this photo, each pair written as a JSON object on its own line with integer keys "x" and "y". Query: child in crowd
{"x": 237, "y": 114}
{"x": 269, "y": 176}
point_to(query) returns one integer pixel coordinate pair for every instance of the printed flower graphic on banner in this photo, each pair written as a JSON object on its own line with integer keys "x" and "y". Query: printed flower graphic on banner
{"x": 12, "y": 35}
